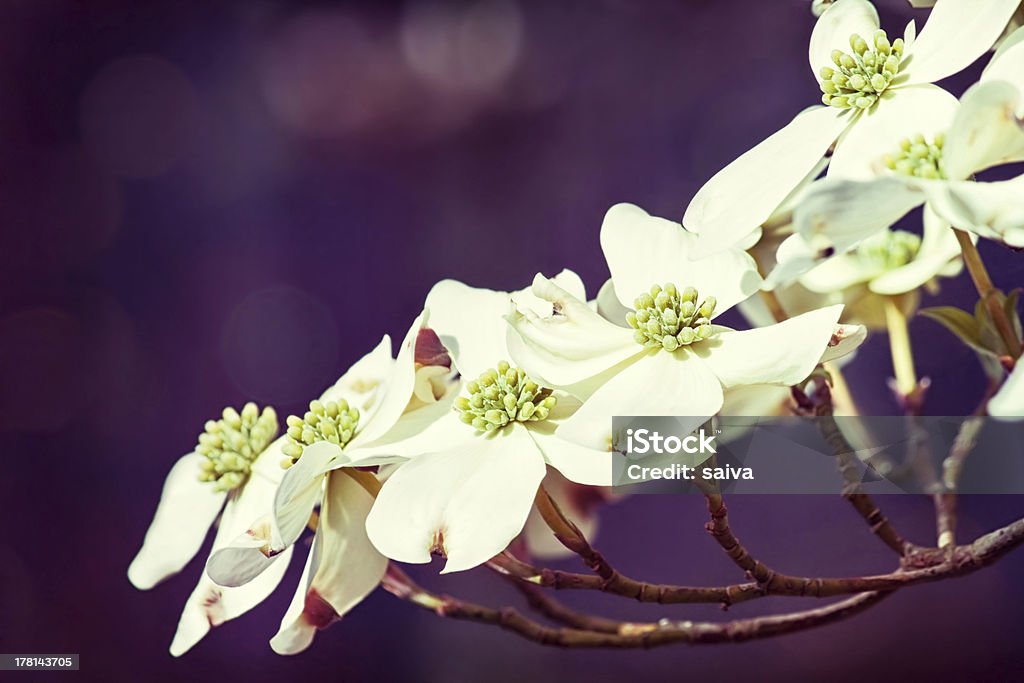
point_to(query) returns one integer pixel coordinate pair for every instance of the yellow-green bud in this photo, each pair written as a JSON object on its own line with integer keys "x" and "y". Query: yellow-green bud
{"x": 503, "y": 396}
{"x": 232, "y": 443}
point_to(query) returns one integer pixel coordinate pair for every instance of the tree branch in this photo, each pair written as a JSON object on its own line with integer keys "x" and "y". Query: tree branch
{"x": 862, "y": 502}
{"x": 627, "y": 634}
{"x": 921, "y": 565}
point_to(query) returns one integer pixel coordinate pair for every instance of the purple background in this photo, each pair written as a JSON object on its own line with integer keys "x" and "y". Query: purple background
{"x": 204, "y": 203}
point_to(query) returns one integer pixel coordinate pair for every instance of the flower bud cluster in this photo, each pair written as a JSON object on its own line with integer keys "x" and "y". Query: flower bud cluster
{"x": 501, "y": 396}
{"x": 667, "y": 317}
{"x": 856, "y": 79}
{"x": 231, "y": 443}
{"x": 919, "y": 158}
{"x": 889, "y": 249}
{"x": 333, "y": 421}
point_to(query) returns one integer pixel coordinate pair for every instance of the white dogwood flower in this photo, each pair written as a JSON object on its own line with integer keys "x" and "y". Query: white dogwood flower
{"x": 1008, "y": 403}
{"x": 377, "y": 397}
{"x": 469, "y": 495}
{"x": 233, "y": 473}
{"x": 672, "y": 359}
{"x": 891, "y": 262}
{"x": 861, "y": 73}
{"x": 930, "y": 159}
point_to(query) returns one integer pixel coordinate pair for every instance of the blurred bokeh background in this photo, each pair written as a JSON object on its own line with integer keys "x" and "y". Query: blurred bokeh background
{"x": 204, "y": 203}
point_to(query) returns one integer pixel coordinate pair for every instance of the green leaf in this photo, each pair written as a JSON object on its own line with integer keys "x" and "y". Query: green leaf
{"x": 1010, "y": 307}
{"x": 961, "y": 323}
{"x": 987, "y": 330}
{"x": 966, "y": 327}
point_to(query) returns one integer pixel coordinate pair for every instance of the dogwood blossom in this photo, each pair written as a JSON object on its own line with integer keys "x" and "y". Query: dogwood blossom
{"x": 470, "y": 495}
{"x": 929, "y": 159}
{"x": 377, "y": 397}
{"x": 674, "y": 360}
{"x": 861, "y": 73}
{"x": 232, "y": 473}
{"x": 891, "y": 262}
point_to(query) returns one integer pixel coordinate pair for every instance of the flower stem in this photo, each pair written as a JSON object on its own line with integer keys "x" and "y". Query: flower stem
{"x": 899, "y": 345}
{"x": 987, "y": 292}
{"x": 365, "y": 479}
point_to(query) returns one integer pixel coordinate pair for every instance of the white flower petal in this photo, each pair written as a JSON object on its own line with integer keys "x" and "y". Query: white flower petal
{"x": 363, "y": 384}
{"x": 348, "y": 569}
{"x": 578, "y": 463}
{"x": 845, "y": 340}
{"x": 957, "y": 33}
{"x": 468, "y": 502}
{"x": 1007, "y": 64}
{"x": 784, "y": 353}
{"x": 841, "y": 213}
{"x": 1009, "y": 401}
{"x": 187, "y": 510}
{"x": 300, "y": 491}
{"x": 251, "y": 552}
{"x": 432, "y": 383}
{"x": 643, "y": 250}
{"x": 298, "y": 636}
{"x": 396, "y": 392}
{"x": 990, "y": 210}
{"x": 211, "y": 605}
{"x": 781, "y": 220}
{"x": 608, "y": 305}
{"x": 837, "y": 273}
{"x": 756, "y": 400}
{"x": 910, "y": 32}
{"x": 566, "y": 279}
{"x": 756, "y": 312}
{"x": 658, "y": 383}
{"x": 860, "y": 154}
{"x": 468, "y": 321}
{"x": 834, "y": 27}
{"x": 430, "y": 428}
{"x": 570, "y": 345}
{"x": 794, "y": 257}
{"x": 744, "y": 194}
{"x": 938, "y": 248}
{"x": 245, "y": 557}
{"x": 986, "y": 131}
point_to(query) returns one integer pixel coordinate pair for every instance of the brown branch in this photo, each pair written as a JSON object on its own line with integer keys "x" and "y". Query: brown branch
{"x": 921, "y": 565}
{"x": 627, "y": 634}
{"x": 624, "y": 586}
{"x": 862, "y": 502}
{"x": 720, "y": 530}
{"x": 545, "y": 604}
{"x": 963, "y": 444}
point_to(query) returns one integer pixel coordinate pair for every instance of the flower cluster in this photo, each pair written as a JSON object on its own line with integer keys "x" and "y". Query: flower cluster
{"x": 444, "y": 446}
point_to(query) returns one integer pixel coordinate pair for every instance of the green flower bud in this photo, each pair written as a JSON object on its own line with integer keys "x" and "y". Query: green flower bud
{"x": 502, "y": 396}
{"x": 664, "y": 324}
{"x": 230, "y": 445}
{"x": 918, "y": 158}
{"x": 857, "y": 78}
